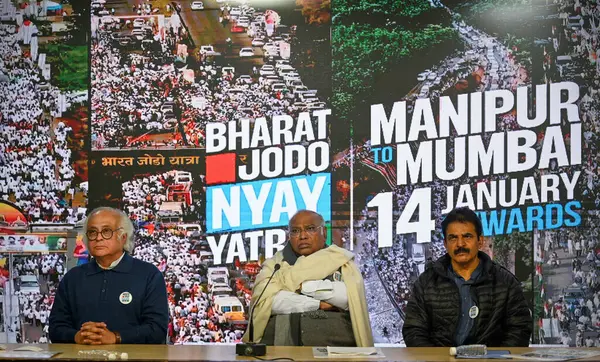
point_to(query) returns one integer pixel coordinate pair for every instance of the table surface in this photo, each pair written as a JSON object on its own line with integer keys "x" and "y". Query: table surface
{"x": 227, "y": 352}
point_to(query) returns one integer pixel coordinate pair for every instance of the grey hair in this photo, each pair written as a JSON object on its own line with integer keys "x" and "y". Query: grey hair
{"x": 319, "y": 216}
{"x": 124, "y": 222}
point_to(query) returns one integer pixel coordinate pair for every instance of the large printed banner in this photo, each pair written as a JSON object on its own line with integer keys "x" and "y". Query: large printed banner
{"x": 31, "y": 243}
{"x": 211, "y": 125}
{"x": 209, "y": 128}
{"x": 247, "y": 192}
{"x": 492, "y": 105}
{"x": 487, "y": 165}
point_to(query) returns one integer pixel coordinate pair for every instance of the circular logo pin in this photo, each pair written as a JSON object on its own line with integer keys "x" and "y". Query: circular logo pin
{"x": 125, "y": 298}
{"x": 473, "y": 312}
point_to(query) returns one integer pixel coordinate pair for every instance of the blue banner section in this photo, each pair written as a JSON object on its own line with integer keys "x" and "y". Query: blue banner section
{"x": 266, "y": 203}
{"x": 540, "y": 217}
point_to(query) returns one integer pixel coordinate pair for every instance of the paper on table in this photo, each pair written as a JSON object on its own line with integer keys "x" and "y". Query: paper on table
{"x": 29, "y": 348}
{"x": 352, "y": 351}
{"x": 27, "y": 355}
{"x": 556, "y": 354}
{"x": 347, "y": 352}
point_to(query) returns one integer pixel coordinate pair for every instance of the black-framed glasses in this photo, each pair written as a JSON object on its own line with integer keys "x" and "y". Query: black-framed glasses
{"x": 310, "y": 230}
{"x": 106, "y": 233}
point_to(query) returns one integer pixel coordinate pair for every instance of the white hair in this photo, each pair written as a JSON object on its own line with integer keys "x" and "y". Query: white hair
{"x": 124, "y": 222}
{"x": 321, "y": 220}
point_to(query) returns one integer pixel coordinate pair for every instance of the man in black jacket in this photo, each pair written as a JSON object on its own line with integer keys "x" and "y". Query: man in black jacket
{"x": 465, "y": 297}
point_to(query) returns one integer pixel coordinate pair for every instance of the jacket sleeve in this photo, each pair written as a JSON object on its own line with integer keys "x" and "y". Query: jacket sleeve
{"x": 416, "y": 322}
{"x": 155, "y": 315}
{"x": 61, "y": 329}
{"x": 519, "y": 323}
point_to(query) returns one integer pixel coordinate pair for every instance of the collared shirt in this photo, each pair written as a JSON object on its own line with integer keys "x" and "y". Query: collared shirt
{"x": 113, "y": 264}
{"x": 465, "y": 322}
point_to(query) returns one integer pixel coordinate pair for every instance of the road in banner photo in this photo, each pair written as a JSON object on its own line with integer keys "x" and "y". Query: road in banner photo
{"x": 139, "y": 99}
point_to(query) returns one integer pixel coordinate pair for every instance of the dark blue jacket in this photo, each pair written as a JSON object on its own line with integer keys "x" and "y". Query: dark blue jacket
{"x": 90, "y": 294}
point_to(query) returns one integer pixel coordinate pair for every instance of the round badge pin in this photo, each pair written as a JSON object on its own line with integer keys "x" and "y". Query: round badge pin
{"x": 125, "y": 298}
{"x": 473, "y": 312}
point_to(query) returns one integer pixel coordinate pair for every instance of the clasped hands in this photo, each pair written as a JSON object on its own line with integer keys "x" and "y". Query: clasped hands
{"x": 95, "y": 333}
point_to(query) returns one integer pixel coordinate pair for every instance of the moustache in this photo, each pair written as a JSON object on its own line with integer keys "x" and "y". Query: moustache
{"x": 462, "y": 250}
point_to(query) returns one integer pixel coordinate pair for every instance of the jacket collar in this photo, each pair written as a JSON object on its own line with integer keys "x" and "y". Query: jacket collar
{"x": 124, "y": 266}
{"x": 442, "y": 265}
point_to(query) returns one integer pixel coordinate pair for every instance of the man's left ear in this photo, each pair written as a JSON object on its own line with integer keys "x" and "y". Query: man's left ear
{"x": 480, "y": 242}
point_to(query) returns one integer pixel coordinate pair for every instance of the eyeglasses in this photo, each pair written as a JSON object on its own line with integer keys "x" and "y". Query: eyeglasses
{"x": 310, "y": 230}
{"x": 106, "y": 233}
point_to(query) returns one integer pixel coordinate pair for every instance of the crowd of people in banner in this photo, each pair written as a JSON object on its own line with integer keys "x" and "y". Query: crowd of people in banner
{"x": 176, "y": 253}
{"x": 576, "y": 306}
{"x": 36, "y": 174}
{"x": 35, "y": 305}
{"x": 583, "y": 43}
{"x": 36, "y": 170}
{"x": 192, "y": 316}
{"x": 128, "y": 91}
{"x": 143, "y": 197}
{"x": 387, "y": 264}
{"x": 50, "y": 265}
{"x": 579, "y": 36}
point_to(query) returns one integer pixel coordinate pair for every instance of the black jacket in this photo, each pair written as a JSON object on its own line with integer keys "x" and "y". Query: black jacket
{"x": 433, "y": 310}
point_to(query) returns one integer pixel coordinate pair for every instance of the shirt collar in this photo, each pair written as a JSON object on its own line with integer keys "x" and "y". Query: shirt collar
{"x": 113, "y": 264}
{"x": 474, "y": 276}
{"x": 123, "y": 266}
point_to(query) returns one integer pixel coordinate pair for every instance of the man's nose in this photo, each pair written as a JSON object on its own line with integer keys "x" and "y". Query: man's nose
{"x": 100, "y": 237}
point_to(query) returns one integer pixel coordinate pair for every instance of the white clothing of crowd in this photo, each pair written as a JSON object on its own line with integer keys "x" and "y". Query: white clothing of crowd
{"x": 190, "y": 308}
{"x": 136, "y": 193}
{"x": 35, "y": 168}
{"x": 128, "y": 91}
{"x": 35, "y": 306}
{"x": 192, "y": 318}
{"x": 39, "y": 264}
{"x": 142, "y": 197}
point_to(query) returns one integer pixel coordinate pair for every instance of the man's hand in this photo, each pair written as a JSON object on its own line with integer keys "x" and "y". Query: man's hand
{"x": 326, "y": 306}
{"x": 95, "y": 333}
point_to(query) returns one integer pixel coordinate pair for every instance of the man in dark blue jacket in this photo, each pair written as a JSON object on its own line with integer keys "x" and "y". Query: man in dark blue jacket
{"x": 115, "y": 298}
